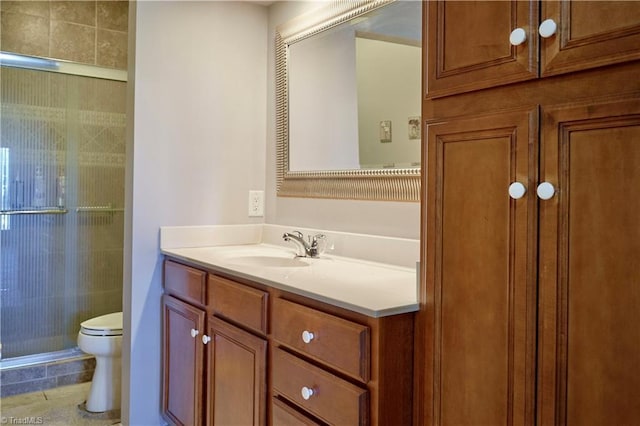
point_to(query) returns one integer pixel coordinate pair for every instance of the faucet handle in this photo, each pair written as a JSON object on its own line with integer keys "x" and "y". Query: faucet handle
{"x": 318, "y": 242}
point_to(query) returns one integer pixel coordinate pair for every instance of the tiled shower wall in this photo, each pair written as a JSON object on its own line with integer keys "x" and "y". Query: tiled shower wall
{"x": 89, "y": 32}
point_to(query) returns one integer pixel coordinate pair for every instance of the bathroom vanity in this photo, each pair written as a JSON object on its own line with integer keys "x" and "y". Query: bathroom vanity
{"x": 253, "y": 335}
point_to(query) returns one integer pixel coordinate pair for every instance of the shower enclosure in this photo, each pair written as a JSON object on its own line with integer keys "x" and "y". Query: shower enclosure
{"x": 62, "y": 162}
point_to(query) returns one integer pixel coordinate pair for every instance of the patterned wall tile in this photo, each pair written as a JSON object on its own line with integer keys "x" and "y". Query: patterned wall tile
{"x": 79, "y": 12}
{"x": 26, "y": 7}
{"x": 113, "y": 15}
{"x": 73, "y": 42}
{"x": 112, "y": 49}
{"x": 67, "y": 30}
{"x": 26, "y": 34}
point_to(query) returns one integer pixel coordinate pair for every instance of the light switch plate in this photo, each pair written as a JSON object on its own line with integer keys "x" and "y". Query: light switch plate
{"x": 256, "y": 203}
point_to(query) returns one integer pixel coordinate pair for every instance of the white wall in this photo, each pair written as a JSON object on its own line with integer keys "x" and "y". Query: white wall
{"x": 369, "y": 217}
{"x": 198, "y": 147}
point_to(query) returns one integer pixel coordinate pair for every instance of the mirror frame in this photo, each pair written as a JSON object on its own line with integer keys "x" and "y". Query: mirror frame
{"x": 402, "y": 184}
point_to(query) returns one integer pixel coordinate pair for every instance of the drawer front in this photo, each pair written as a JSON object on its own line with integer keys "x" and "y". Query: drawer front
{"x": 342, "y": 344}
{"x": 239, "y": 303}
{"x": 186, "y": 283}
{"x": 283, "y": 415}
{"x": 334, "y": 400}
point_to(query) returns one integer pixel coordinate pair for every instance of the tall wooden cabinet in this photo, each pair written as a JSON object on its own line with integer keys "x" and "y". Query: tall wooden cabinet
{"x": 529, "y": 300}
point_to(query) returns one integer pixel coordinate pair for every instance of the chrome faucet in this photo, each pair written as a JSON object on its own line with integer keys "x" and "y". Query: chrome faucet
{"x": 313, "y": 248}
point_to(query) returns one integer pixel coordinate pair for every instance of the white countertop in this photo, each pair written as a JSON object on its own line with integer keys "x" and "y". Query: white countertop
{"x": 371, "y": 288}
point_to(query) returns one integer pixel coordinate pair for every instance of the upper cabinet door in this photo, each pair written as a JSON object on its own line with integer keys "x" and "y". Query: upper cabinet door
{"x": 475, "y": 45}
{"x": 589, "y": 34}
{"x": 467, "y": 45}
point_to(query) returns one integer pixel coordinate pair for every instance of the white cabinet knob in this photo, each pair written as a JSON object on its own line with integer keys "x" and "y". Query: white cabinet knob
{"x": 194, "y": 332}
{"x": 545, "y": 191}
{"x": 517, "y": 37}
{"x": 517, "y": 190}
{"x": 547, "y": 28}
{"x": 307, "y": 336}
{"x": 205, "y": 339}
{"x": 306, "y": 393}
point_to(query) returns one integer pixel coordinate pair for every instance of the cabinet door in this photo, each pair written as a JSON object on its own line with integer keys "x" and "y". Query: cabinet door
{"x": 477, "y": 327}
{"x": 183, "y": 362}
{"x": 237, "y": 380}
{"x": 467, "y": 45}
{"x": 589, "y": 339}
{"x": 590, "y": 34}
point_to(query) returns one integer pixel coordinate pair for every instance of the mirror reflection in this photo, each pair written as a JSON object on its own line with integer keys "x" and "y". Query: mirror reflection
{"x": 354, "y": 93}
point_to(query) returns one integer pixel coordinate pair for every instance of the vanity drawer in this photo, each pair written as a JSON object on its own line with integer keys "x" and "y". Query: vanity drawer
{"x": 283, "y": 415}
{"x": 334, "y": 400}
{"x": 341, "y": 344}
{"x": 239, "y": 303}
{"x": 185, "y": 282}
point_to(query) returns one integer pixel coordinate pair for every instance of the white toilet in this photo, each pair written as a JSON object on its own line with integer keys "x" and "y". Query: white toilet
{"x": 102, "y": 337}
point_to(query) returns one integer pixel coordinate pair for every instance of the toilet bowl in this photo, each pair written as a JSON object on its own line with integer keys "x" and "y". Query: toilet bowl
{"x": 102, "y": 337}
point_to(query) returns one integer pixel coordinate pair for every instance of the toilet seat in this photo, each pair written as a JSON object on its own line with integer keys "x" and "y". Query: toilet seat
{"x": 105, "y": 325}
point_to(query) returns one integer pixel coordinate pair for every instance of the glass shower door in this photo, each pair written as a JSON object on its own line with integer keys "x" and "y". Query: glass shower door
{"x": 62, "y": 158}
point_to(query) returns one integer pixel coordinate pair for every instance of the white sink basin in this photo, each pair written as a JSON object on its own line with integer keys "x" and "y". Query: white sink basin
{"x": 268, "y": 261}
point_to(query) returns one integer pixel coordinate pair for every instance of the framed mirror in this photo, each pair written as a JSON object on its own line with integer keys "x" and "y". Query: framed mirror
{"x": 348, "y": 85}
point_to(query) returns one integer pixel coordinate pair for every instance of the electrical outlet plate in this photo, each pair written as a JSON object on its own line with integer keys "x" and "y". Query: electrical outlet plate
{"x": 256, "y": 203}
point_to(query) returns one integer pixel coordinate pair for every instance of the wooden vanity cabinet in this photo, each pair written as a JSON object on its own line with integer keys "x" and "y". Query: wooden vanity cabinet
{"x": 527, "y": 302}
{"x": 253, "y": 363}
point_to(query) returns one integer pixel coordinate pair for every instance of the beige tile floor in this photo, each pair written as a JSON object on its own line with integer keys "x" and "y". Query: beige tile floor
{"x": 54, "y": 407}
